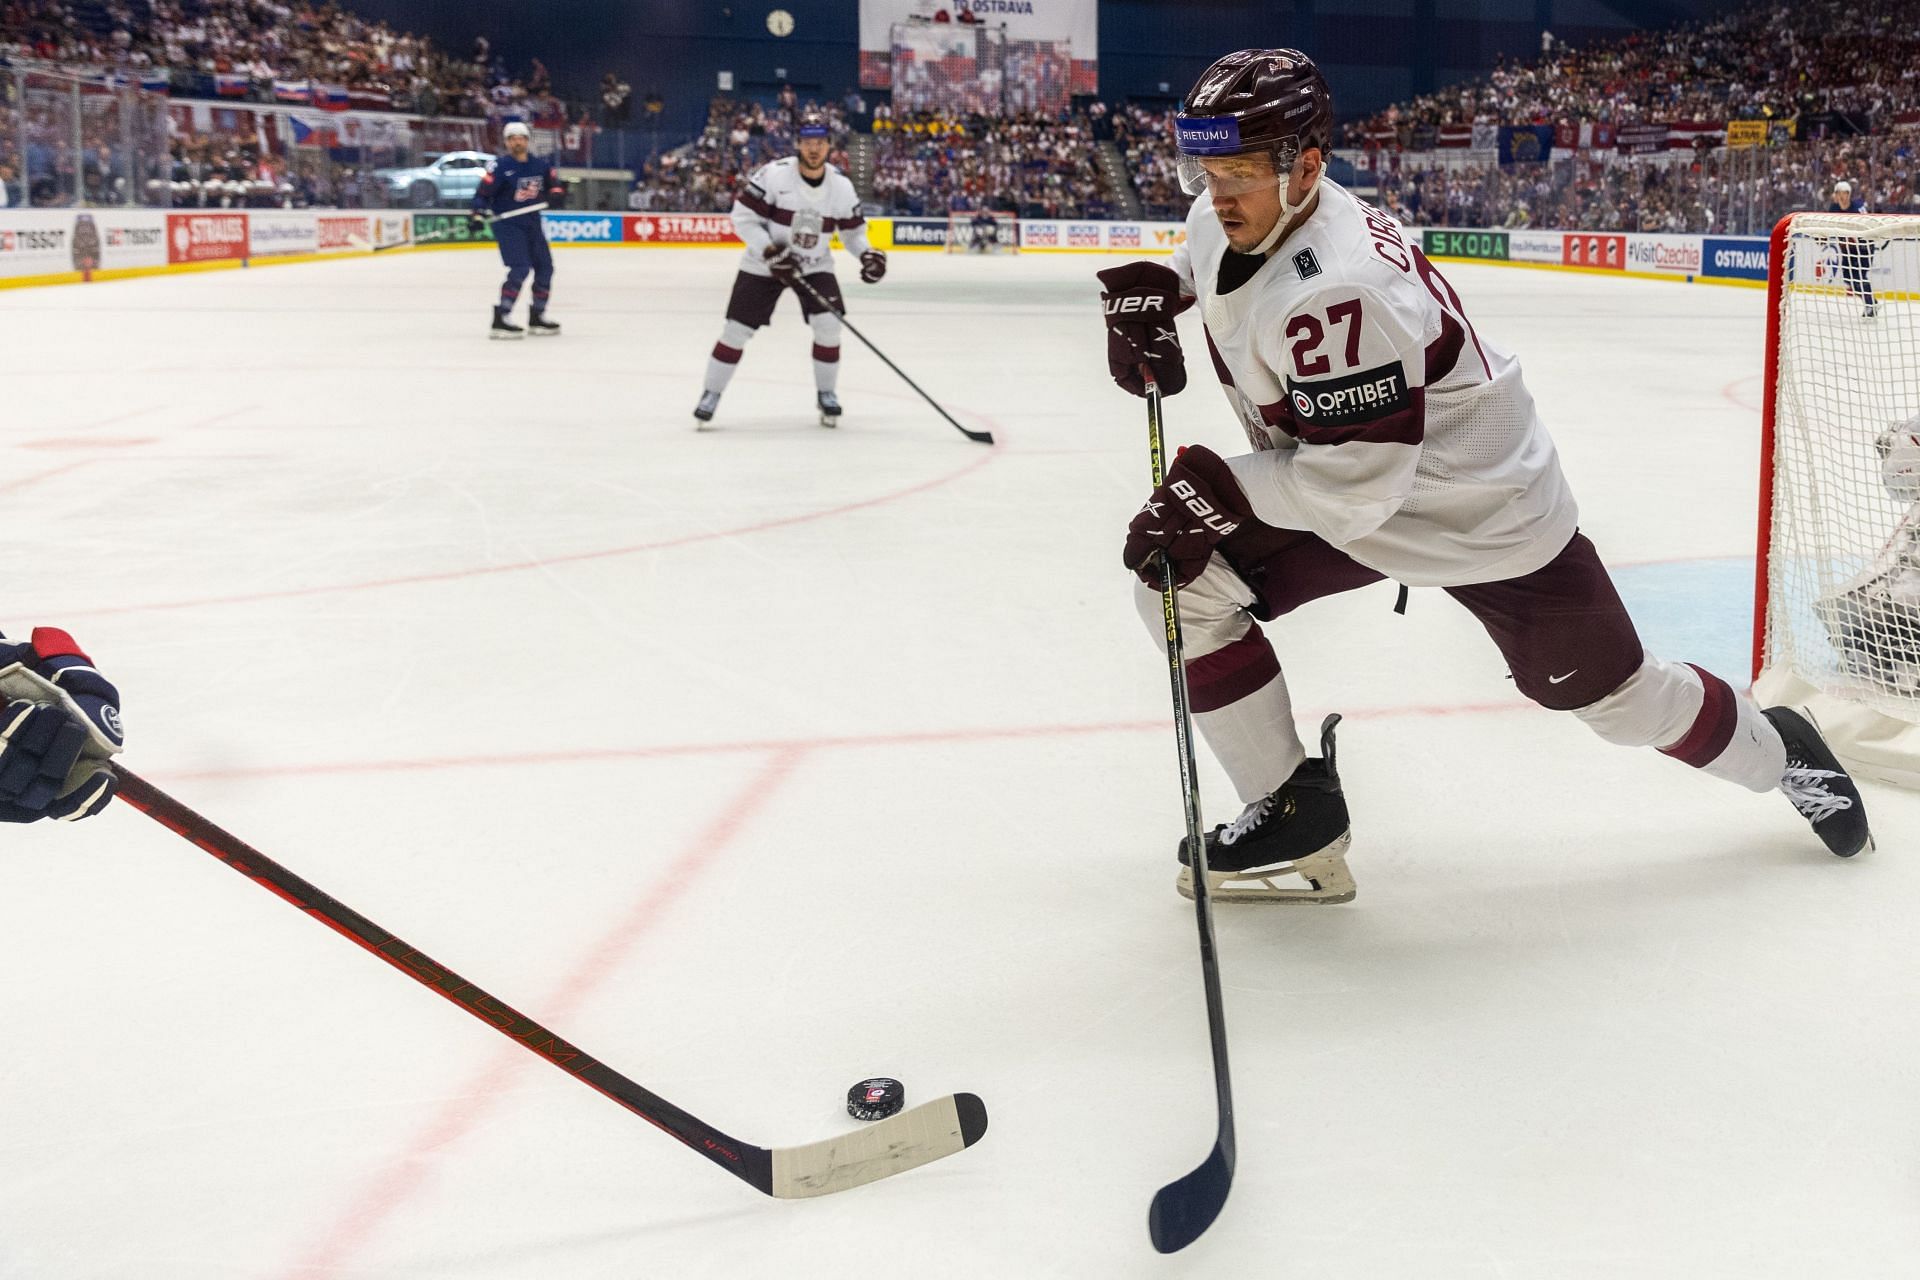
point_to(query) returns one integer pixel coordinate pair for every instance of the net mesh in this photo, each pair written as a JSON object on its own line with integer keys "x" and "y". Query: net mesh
{"x": 1842, "y": 586}
{"x": 969, "y": 232}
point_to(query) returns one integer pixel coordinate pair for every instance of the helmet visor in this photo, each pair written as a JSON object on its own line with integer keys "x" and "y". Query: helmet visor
{"x": 1227, "y": 176}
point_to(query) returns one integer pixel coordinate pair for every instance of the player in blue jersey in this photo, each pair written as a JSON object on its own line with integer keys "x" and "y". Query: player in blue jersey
{"x": 1856, "y": 256}
{"x": 517, "y": 187}
{"x": 59, "y": 725}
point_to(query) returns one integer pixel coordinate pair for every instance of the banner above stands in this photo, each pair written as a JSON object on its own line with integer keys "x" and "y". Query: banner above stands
{"x": 1072, "y": 23}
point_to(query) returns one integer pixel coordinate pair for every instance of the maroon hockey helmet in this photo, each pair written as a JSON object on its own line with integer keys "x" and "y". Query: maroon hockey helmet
{"x": 1257, "y": 101}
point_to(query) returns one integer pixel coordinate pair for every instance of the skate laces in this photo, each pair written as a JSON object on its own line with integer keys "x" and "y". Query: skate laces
{"x": 1806, "y": 788}
{"x": 1250, "y": 817}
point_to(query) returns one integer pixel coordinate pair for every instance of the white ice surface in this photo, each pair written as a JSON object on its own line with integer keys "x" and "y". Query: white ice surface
{"x": 759, "y": 761}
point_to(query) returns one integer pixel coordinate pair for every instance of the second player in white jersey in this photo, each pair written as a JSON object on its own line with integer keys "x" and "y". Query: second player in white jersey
{"x": 1391, "y": 440}
{"x": 787, "y": 214}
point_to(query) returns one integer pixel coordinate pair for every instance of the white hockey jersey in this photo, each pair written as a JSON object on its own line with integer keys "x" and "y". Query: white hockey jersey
{"x": 1382, "y": 421}
{"x": 778, "y": 206}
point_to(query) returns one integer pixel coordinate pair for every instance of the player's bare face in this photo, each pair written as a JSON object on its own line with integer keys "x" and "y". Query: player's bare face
{"x": 813, "y": 156}
{"x": 1246, "y": 197}
{"x": 517, "y": 147}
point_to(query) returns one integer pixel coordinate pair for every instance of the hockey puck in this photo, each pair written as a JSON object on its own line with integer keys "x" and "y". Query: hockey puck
{"x": 876, "y": 1099}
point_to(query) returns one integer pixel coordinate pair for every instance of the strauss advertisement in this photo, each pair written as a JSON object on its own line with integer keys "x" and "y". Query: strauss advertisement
{"x": 206, "y": 237}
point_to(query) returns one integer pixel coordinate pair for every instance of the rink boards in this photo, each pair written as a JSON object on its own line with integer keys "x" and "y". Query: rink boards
{"x": 62, "y": 246}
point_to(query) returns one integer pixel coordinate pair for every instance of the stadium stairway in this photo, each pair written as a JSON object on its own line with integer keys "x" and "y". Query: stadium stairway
{"x": 1113, "y": 166}
{"x": 860, "y": 164}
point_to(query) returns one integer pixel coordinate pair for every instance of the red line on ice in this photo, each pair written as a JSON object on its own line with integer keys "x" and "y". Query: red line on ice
{"x": 542, "y": 562}
{"x": 382, "y": 1196}
{"x": 681, "y": 750}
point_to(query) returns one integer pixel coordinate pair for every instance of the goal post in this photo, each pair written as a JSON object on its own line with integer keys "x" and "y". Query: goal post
{"x": 1837, "y": 572}
{"x": 967, "y": 232}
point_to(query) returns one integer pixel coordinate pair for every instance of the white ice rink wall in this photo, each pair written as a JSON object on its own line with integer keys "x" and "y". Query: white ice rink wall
{"x": 60, "y": 246}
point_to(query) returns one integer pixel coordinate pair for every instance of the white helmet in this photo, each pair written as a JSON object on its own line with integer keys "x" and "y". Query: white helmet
{"x": 516, "y": 130}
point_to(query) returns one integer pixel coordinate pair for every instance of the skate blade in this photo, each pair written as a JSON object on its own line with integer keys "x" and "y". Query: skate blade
{"x": 1323, "y": 878}
{"x": 829, "y": 421}
{"x": 497, "y": 336}
{"x": 544, "y": 333}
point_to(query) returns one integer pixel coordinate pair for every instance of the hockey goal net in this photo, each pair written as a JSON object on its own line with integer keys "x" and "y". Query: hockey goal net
{"x": 1837, "y": 598}
{"x": 970, "y": 232}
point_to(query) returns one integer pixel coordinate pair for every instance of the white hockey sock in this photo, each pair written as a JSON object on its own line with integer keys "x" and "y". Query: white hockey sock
{"x": 1242, "y": 707}
{"x": 726, "y": 356}
{"x": 826, "y": 373}
{"x": 1695, "y": 717}
{"x": 826, "y": 350}
{"x": 1254, "y": 739}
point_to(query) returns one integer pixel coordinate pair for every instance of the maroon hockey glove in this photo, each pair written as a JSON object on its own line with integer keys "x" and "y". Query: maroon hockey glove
{"x": 783, "y": 262}
{"x": 873, "y": 266}
{"x": 1197, "y": 505}
{"x": 1141, "y": 299}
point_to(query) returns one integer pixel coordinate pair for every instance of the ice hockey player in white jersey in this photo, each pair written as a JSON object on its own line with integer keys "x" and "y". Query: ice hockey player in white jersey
{"x": 787, "y": 214}
{"x": 1390, "y": 440}
{"x": 1874, "y": 620}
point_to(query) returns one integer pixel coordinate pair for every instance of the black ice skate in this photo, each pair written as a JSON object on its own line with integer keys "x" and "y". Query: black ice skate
{"x": 541, "y": 327}
{"x": 1873, "y": 309}
{"x": 503, "y": 327}
{"x": 829, "y": 409}
{"x": 1300, "y": 830}
{"x": 709, "y": 401}
{"x": 1819, "y": 788}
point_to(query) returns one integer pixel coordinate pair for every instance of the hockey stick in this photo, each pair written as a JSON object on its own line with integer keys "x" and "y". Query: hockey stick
{"x": 1182, "y": 1210}
{"x": 439, "y": 238}
{"x": 981, "y": 437}
{"x": 905, "y": 1141}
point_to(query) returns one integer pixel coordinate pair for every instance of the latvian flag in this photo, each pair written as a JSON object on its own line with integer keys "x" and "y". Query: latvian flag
{"x": 1455, "y": 135}
{"x": 1684, "y": 135}
{"x": 371, "y": 99}
{"x": 230, "y": 84}
{"x": 292, "y": 90}
{"x": 330, "y": 97}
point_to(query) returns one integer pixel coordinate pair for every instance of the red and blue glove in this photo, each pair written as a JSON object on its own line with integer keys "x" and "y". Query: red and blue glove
{"x": 59, "y": 725}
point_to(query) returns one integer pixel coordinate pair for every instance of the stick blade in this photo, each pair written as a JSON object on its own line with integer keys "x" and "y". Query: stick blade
{"x": 1183, "y": 1210}
{"x": 931, "y": 1131}
{"x": 978, "y": 437}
